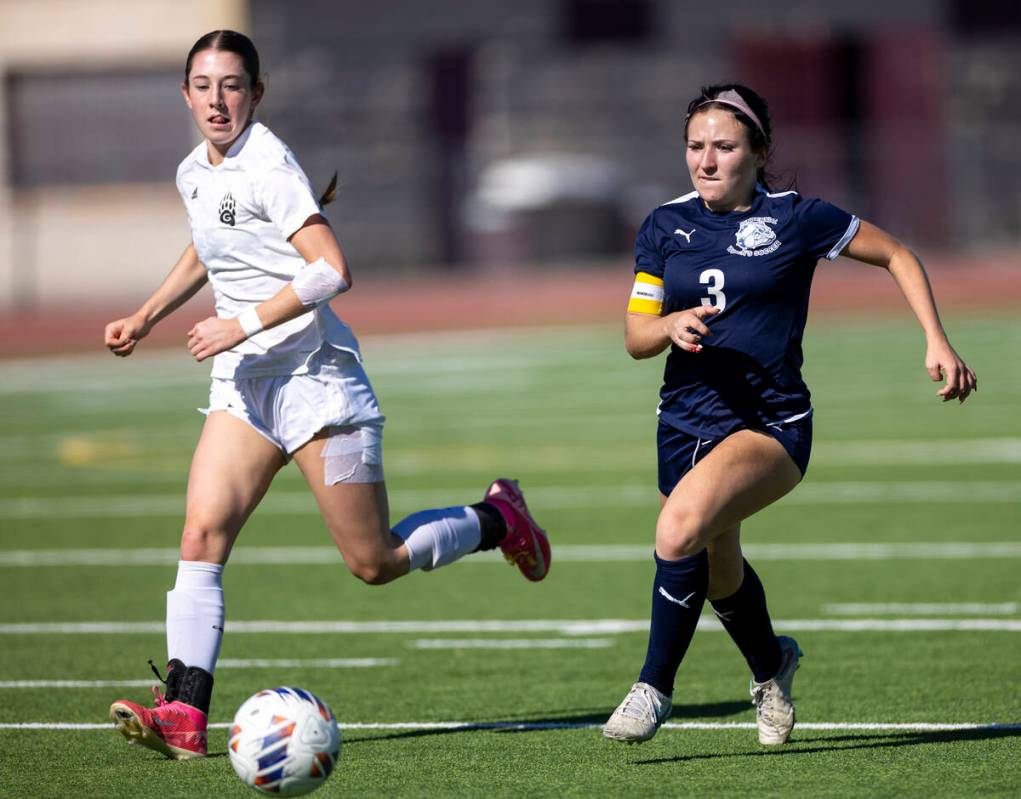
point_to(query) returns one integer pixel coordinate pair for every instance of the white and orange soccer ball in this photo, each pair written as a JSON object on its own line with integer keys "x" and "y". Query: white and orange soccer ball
{"x": 284, "y": 742}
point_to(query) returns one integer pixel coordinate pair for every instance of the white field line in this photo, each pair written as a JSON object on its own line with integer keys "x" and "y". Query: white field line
{"x": 952, "y": 492}
{"x": 223, "y": 663}
{"x": 563, "y": 553}
{"x": 76, "y": 683}
{"x": 21, "y": 447}
{"x": 511, "y": 643}
{"x": 548, "y": 497}
{"x": 292, "y": 663}
{"x": 889, "y": 452}
{"x": 467, "y": 726}
{"x": 574, "y": 627}
{"x": 921, "y": 608}
{"x": 166, "y": 368}
{"x": 913, "y": 452}
{"x": 520, "y": 347}
{"x": 157, "y": 370}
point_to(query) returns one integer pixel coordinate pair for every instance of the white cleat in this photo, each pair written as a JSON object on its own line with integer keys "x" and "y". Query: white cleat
{"x": 639, "y": 716}
{"x": 772, "y": 698}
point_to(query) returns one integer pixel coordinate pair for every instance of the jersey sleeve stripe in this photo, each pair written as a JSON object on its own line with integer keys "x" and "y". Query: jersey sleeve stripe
{"x": 845, "y": 239}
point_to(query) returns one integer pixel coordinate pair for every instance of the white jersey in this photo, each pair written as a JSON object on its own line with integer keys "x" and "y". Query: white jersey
{"x": 241, "y": 214}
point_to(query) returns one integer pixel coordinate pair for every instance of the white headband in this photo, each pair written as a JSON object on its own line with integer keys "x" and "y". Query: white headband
{"x": 735, "y": 100}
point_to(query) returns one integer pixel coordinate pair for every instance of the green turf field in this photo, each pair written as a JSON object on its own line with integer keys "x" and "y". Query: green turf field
{"x": 895, "y": 565}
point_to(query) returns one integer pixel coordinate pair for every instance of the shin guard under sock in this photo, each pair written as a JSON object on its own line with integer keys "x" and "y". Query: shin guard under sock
{"x": 745, "y": 616}
{"x": 678, "y": 594}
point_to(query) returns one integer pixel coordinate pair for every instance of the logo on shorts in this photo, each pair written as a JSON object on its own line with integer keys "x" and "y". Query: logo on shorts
{"x": 227, "y": 209}
{"x": 755, "y": 237}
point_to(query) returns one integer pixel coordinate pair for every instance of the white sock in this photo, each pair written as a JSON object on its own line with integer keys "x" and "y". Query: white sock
{"x": 435, "y": 538}
{"x": 195, "y": 614}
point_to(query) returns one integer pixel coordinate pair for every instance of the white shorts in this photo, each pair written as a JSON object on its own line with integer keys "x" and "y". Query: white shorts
{"x": 289, "y": 410}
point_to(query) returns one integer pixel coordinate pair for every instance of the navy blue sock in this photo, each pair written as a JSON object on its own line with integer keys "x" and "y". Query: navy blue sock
{"x": 744, "y": 615}
{"x": 678, "y": 593}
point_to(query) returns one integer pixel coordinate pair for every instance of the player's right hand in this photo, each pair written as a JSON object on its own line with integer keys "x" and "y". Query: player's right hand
{"x": 122, "y": 336}
{"x": 686, "y": 328}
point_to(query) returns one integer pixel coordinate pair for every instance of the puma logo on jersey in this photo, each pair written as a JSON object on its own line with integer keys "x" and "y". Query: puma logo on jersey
{"x": 687, "y": 236}
{"x": 227, "y": 209}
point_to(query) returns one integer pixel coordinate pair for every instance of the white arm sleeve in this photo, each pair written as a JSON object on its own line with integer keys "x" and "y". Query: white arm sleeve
{"x": 318, "y": 282}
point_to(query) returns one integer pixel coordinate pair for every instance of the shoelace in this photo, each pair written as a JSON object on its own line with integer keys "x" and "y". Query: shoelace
{"x": 764, "y": 694}
{"x": 157, "y": 696}
{"x": 639, "y": 704}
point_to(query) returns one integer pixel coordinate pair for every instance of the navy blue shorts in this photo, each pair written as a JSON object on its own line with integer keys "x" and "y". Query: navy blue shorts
{"x": 679, "y": 451}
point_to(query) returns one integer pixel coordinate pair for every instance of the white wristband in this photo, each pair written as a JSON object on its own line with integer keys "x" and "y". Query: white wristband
{"x": 250, "y": 322}
{"x": 317, "y": 283}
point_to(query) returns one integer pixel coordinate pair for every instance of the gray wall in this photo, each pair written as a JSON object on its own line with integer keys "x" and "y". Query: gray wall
{"x": 349, "y": 89}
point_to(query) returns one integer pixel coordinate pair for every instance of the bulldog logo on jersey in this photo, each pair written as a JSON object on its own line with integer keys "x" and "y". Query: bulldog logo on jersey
{"x": 227, "y": 209}
{"x": 755, "y": 237}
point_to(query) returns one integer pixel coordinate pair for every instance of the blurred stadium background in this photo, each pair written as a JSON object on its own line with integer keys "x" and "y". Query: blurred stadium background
{"x": 478, "y": 140}
{"x": 495, "y": 160}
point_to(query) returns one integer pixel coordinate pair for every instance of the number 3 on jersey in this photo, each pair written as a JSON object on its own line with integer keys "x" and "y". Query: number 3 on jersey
{"x": 713, "y": 278}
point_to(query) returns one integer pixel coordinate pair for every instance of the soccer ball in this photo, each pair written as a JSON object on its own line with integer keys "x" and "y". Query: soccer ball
{"x": 284, "y": 742}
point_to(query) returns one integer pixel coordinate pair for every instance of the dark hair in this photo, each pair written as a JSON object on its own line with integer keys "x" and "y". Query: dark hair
{"x": 244, "y": 48}
{"x": 230, "y": 42}
{"x": 330, "y": 194}
{"x": 759, "y": 139}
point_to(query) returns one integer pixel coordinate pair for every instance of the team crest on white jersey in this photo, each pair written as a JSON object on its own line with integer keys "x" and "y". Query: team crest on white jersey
{"x": 755, "y": 237}
{"x": 227, "y": 209}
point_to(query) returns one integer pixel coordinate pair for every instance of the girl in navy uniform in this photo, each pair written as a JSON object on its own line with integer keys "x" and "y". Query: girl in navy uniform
{"x": 723, "y": 276}
{"x": 288, "y": 383}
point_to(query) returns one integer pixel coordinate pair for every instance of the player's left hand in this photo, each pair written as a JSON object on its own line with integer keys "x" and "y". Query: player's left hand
{"x": 944, "y": 364}
{"x": 214, "y": 335}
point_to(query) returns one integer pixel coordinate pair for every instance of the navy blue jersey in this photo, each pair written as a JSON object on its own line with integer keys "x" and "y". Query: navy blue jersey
{"x": 757, "y": 267}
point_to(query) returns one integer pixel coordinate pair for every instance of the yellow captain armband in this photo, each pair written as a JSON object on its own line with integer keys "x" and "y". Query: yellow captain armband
{"x": 646, "y": 295}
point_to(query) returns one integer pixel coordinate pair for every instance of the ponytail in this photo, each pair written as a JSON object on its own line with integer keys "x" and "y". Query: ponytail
{"x": 331, "y": 192}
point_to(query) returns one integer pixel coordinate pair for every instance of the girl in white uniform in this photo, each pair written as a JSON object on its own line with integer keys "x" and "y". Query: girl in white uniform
{"x": 287, "y": 383}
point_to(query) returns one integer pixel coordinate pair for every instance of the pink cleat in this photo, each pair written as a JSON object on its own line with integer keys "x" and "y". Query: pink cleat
{"x": 173, "y": 728}
{"x": 525, "y": 544}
